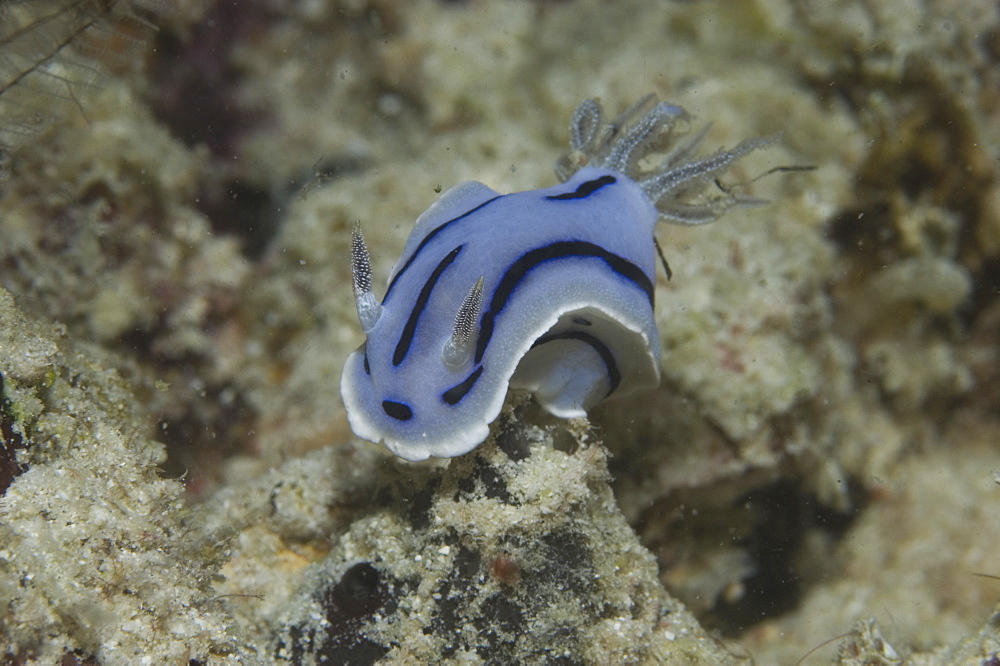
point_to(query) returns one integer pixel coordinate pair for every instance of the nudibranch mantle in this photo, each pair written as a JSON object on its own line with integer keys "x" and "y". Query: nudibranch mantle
{"x": 549, "y": 290}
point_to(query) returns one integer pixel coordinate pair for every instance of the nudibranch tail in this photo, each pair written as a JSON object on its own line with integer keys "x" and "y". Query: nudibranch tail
{"x": 369, "y": 309}
{"x": 458, "y": 349}
{"x": 675, "y": 186}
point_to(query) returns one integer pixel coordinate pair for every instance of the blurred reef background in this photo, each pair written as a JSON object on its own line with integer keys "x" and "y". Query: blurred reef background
{"x": 820, "y": 467}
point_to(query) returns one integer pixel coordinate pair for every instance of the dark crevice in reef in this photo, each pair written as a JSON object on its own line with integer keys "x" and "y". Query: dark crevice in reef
{"x": 215, "y": 425}
{"x": 736, "y": 558}
{"x": 985, "y": 291}
{"x": 419, "y": 511}
{"x": 10, "y": 443}
{"x": 193, "y": 82}
{"x": 927, "y": 148}
{"x": 513, "y": 441}
{"x": 867, "y": 234}
{"x": 362, "y": 593}
{"x": 242, "y": 209}
{"x": 487, "y": 480}
{"x": 193, "y": 92}
{"x": 782, "y": 517}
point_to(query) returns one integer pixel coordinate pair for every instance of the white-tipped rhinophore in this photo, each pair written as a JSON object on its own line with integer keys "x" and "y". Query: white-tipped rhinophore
{"x": 458, "y": 349}
{"x": 369, "y": 309}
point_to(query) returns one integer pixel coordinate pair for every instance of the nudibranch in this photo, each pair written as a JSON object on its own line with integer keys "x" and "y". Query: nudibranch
{"x": 549, "y": 290}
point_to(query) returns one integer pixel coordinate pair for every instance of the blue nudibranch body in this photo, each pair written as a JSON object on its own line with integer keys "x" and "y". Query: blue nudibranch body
{"x": 549, "y": 290}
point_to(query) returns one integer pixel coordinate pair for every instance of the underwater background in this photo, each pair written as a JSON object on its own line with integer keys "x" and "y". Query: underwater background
{"x": 819, "y": 468}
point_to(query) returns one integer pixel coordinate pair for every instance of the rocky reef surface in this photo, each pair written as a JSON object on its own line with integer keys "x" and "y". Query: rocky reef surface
{"x": 178, "y": 483}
